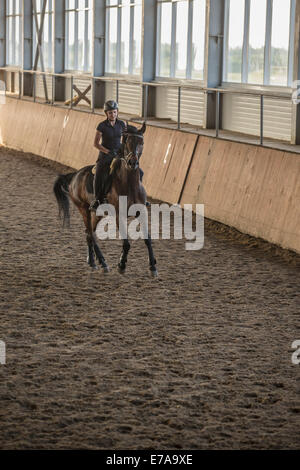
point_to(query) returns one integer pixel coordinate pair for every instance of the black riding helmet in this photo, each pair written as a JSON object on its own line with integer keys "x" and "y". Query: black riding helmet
{"x": 110, "y": 105}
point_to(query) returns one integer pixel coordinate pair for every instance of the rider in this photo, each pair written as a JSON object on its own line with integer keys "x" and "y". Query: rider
{"x": 109, "y": 132}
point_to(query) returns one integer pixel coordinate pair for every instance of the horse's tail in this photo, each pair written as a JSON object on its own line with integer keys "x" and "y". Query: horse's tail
{"x": 61, "y": 192}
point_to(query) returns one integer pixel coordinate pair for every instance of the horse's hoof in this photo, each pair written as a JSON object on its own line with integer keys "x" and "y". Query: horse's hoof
{"x": 94, "y": 267}
{"x": 121, "y": 270}
{"x": 105, "y": 269}
{"x": 154, "y": 272}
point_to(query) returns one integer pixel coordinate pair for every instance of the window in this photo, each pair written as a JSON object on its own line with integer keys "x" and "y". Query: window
{"x": 123, "y": 36}
{"x": 198, "y": 39}
{"x": 181, "y": 38}
{"x": 257, "y": 35}
{"x": 78, "y": 32}
{"x": 165, "y": 43}
{"x": 14, "y": 32}
{"x": 46, "y": 34}
{"x": 258, "y": 45}
{"x": 280, "y": 41}
{"x": 235, "y": 40}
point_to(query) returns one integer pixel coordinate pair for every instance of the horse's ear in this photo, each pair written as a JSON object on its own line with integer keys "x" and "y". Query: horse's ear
{"x": 143, "y": 128}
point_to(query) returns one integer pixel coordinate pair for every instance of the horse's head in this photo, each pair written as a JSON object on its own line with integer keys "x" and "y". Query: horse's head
{"x": 133, "y": 141}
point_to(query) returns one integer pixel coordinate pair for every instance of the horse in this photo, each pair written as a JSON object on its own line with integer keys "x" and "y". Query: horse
{"x": 125, "y": 174}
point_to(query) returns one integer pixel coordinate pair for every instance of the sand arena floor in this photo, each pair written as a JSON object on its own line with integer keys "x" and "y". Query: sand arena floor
{"x": 199, "y": 358}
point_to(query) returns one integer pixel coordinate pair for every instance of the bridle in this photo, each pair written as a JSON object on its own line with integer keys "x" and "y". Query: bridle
{"x": 126, "y": 157}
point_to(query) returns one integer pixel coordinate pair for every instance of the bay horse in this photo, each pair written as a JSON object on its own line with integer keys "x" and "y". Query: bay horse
{"x": 78, "y": 187}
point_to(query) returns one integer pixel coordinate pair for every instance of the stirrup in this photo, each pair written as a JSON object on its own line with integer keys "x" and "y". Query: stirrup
{"x": 147, "y": 204}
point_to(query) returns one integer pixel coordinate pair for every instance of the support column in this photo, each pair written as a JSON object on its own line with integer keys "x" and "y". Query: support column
{"x": 149, "y": 55}
{"x": 213, "y": 58}
{"x": 59, "y": 49}
{"x": 3, "y": 85}
{"x": 296, "y": 77}
{"x": 27, "y": 47}
{"x": 98, "y": 55}
{"x": 2, "y": 34}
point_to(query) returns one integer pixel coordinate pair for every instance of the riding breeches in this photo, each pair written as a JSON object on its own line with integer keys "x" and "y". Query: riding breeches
{"x": 102, "y": 180}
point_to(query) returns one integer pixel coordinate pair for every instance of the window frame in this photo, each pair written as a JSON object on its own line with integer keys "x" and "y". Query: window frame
{"x": 49, "y": 16}
{"x": 172, "y": 78}
{"x": 118, "y": 72}
{"x": 267, "y": 49}
{"x": 76, "y": 9}
{"x": 7, "y": 45}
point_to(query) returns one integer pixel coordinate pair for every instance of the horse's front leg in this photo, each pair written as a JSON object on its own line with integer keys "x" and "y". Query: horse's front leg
{"x": 152, "y": 260}
{"x": 122, "y": 224}
{"x": 123, "y": 258}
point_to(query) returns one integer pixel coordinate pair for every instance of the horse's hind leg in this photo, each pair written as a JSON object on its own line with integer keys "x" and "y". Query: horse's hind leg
{"x": 97, "y": 250}
{"x": 86, "y": 215}
{"x": 152, "y": 260}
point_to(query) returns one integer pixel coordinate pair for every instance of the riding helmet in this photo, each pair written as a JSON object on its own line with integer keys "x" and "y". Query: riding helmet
{"x": 110, "y": 105}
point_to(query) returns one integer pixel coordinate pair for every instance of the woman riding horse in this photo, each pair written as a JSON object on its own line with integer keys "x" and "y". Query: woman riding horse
{"x": 109, "y": 133}
{"x": 78, "y": 186}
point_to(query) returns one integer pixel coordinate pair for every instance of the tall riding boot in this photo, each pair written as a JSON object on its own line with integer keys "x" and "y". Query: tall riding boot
{"x": 99, "y": 181}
